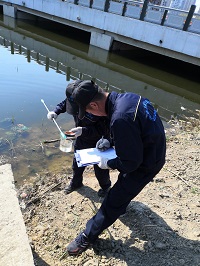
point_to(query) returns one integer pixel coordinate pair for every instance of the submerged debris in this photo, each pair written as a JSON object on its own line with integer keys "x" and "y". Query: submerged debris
{"x": 7, "y": 123}
{"x": 20, "y": 128}
{"x": 4, "y": 144}
{"x": 11, "y": 132}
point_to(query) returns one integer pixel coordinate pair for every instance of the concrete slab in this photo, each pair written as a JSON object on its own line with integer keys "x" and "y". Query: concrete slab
{"x": 14, "y": 244}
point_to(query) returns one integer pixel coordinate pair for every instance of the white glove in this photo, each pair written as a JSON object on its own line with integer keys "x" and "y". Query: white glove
{"x": 77, "y": 130}
{"x": 51, "y": 115}
{"x": 103, "y": 163}
{"x": 103, "y": 144}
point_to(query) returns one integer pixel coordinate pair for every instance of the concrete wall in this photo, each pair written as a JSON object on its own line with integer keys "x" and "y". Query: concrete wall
{"x": 14, "y": 244}
{"x": 160, "y": 39}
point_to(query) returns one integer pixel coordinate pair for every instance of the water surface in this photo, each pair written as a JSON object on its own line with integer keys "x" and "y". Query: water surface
{"x": 38, "y": 62}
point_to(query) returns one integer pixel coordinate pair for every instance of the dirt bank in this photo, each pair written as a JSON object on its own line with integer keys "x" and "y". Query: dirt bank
{"x": 161, "y": 226}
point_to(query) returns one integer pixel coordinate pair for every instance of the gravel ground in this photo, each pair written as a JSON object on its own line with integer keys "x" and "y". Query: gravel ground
{"x": 161, "y": 225}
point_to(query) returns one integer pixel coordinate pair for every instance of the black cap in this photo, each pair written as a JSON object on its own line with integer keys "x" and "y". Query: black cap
{"x": 83, "y": 95}
{"x": 72, "y": 107}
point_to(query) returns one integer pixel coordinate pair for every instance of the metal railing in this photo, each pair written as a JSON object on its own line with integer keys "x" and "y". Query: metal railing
{"x": 145, "y": 11}
{"x": 142, "y": 10}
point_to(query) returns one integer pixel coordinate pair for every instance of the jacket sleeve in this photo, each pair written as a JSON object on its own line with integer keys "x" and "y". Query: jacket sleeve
{"x": 60, "y": 108}
{"x": 128, "y": 145}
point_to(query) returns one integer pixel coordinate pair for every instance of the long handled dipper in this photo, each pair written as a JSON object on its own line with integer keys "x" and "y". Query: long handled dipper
{"x": 61, "y": 133}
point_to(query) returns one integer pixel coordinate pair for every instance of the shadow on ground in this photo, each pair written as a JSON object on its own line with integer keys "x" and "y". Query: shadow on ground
{"x": 39, "y": 261}
{"x": 152, "y": 242}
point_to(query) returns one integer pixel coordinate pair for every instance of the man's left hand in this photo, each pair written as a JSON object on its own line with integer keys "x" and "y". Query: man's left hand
{"x": 103, "y": 163}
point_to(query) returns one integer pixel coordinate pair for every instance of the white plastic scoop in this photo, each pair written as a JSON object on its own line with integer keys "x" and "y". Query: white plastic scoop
{"x": 65, "y": 143}
{"x": 61, "y": 133}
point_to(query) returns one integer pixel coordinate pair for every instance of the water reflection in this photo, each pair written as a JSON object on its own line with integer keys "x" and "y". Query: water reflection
{"x": 39, "y": 64}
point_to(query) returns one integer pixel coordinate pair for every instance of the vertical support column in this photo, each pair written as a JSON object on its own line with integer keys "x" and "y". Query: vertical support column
{"x": 144, "y": 9}
{"x": 68, "y": 73}
{"x": 91, "y": 3}
{"x": 57, "y": 67}
{"x": 10, "y": 11}
{"x": 12, "y": 49}
{"x": 9, "y": 21}
{"x": 107, "y": 4}
{"x": 80, "y": 75}
{"x": 98, "y": 54}
{"x": 28, "y": 52}
{"x": 101, "y": 40}
{"x": 124, "y": 9}
{"x": 47, "y": 64}
{"x": 189, "y": 17}
{"x": 164, "y": 17}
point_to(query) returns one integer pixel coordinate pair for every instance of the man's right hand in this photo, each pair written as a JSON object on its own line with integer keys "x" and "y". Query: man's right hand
{"x": 77, "y": 131}
{"x": 51, "y": 115}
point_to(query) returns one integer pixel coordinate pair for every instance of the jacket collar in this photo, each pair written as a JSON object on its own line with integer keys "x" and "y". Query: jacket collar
{"x": 110, "y": 102}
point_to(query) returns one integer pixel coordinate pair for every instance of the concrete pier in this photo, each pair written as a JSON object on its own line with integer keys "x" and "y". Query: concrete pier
{"x": 14, "y": 244}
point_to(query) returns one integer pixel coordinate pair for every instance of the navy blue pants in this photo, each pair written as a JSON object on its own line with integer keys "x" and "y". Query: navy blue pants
{"x": 127, "y": 187}
{"x": 102, "y": 176}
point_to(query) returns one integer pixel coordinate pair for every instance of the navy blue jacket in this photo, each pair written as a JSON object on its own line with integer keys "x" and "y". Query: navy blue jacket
{"x": 136, "y": 131}
{"x": 94, "y": 127}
